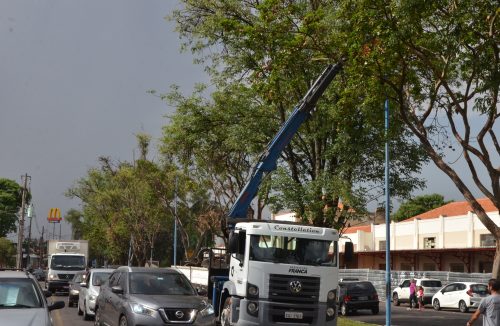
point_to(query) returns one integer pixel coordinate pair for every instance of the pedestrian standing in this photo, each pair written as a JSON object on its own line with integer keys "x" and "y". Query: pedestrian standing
{"x": 489, "y": 307}
{"x": 413, "y": 294}
{"x": 420, "y": 295}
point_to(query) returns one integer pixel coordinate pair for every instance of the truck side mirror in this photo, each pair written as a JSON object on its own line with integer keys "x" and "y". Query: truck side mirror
{"x": 233, "y": 243}
{"x": 348, "y": 251}
{"x": 237, "y": 243}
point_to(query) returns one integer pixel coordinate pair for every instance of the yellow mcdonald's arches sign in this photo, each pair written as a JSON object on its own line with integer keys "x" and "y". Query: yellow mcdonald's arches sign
{"x": 54, "y": 215}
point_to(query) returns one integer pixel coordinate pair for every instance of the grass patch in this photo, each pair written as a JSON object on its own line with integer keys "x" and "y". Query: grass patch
{"x": 342, "y": 321}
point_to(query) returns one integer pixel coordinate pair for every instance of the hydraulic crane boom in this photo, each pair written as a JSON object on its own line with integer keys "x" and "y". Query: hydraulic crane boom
{"x": 268, "y": 159}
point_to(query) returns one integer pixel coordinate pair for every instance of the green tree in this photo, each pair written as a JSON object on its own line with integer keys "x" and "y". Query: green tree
{"x": 262, "y": 57}
{"x": 7, "y": 253}
{"x": 10, "y": 203}
{"x": 438, "y": 62}
{"x": 418, "y": 205}
{"x": 74, "y": 217}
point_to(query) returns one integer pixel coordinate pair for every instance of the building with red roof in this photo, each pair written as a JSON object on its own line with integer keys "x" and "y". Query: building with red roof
{"x": 447, "y": 238}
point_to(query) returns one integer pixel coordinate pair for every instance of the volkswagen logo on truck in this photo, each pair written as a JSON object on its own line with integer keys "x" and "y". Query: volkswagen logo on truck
{"x": 295, "y": 286}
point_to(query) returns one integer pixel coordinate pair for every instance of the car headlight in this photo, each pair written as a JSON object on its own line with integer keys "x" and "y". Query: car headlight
{"x": 53, "y": 277}
{"x": 207, "y": 311}
{"x": 92, "y": 297}
{"x": 141, "y": 309}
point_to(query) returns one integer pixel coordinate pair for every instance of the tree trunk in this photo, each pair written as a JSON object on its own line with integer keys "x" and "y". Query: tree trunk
{"x": 495, "y": 271}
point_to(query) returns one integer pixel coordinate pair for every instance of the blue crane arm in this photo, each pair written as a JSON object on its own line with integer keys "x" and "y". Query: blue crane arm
{"x": 268, "y": 159}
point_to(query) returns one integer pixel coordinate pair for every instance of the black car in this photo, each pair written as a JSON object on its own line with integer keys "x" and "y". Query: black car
{"x": 74, "y": 287}
{"x": 357, "y": 295}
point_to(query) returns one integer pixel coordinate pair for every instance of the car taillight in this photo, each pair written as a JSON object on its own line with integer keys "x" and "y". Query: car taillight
{"x": 375, "y": 297}
{"x": 470, "y": 293}
{"x": 347, "y": 298}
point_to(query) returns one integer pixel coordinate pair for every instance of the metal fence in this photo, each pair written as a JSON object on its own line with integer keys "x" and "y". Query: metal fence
{"x": 377, "y": 277}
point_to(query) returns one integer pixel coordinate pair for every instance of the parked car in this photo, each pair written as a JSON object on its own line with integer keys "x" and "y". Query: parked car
{"x": 74, "y": 287}
{"x": 460, "y": 295}
{"x": 89, "y": 291}
{"x": 357, "y": 295}
{"x": 22, "y": 300}
{"x": 151, "y": 296}
{"x": 402, "y": 292}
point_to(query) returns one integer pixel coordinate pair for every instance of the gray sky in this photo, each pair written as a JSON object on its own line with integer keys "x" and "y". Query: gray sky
{"x": 73, "y": 83}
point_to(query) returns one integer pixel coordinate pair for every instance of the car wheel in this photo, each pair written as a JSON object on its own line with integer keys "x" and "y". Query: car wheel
{"x": 395, "y": 299}
{"x": 97, "y": 320}
{"x": 225, "y": 315}
{"x": 343, "y": 310}
{"x": 85, "y": 314}
{"x": 463, "y": 306}
{"x": 123, "y": 321}
{"x": 375, "y": 310}
{"x": 80, "y": 312}
{"x": 436, "y": 304}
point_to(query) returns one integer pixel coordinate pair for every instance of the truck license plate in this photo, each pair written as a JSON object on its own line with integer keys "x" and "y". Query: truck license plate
{"x": 293, "y": 315}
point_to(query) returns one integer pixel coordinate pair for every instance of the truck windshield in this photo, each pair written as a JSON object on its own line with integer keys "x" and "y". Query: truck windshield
{"x": 67, "y": 262}
{"x": 291, "y": 250}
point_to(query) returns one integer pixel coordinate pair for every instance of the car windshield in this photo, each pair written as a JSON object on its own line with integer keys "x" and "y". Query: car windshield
{"x": 160, "y": 284}
{"x": 99, "y": 278}
{"x": 18, "y": 293}
{"x": 291, "y": 250}
{"x": 431, "y": 284}
{"x": 67, "y": 262}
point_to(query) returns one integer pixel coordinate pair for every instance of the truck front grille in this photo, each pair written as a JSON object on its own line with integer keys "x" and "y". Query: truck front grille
{"x": 65, "y": 276}
{"x": 283, "y": 288}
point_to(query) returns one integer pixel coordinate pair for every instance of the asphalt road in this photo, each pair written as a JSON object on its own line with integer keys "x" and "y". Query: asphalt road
{"x": 400, "y": 316}
{"x": 67, "y": 316}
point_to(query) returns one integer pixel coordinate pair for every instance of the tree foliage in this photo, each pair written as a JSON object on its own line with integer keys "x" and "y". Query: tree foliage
{"x": 438, "y": 61}
{"x": 7, "y": 253}
{"x": 74, "y": 217}
{"x": 418, "y": 205}
{"x": 262, "y": 57}
{"x": 10, "y": 203}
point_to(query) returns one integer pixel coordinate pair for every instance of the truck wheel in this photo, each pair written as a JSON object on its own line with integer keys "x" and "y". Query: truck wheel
{"x": 395, "y": 299}
{"x": 123, "y": 321}
{"x": 97, "y": 320}
{"x": 225, "y": 315}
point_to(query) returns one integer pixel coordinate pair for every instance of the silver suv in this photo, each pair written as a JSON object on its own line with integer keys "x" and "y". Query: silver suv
{"x": 22, "y": 300}
{"x": 151, "y": 296}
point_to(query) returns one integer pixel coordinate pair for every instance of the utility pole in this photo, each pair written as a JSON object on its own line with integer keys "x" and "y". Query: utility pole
{"x": 20, "y": 231}
{"x": 28, "y": 244}
{"x": 41, "y": 245}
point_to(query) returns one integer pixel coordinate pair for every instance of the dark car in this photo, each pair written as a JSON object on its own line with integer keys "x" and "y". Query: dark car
{"x": 39, "y": 274}
{"x": 22, "y": 300}
{"x": 151, "y": 296}
{"x": 74, "y": 288}
{"x": 357, "y": 295}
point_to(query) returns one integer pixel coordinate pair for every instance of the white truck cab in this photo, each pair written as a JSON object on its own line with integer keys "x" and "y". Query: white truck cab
{"x": 281, "y": 274}
{"x": 65, "y": 259}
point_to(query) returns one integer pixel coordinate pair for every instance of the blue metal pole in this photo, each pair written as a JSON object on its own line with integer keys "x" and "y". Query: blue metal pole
{"x": 175, "y": 223}
{"x": 387, "y": 224}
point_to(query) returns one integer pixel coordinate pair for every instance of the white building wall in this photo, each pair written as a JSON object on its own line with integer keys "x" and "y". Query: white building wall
{"x": 450, "y": 232}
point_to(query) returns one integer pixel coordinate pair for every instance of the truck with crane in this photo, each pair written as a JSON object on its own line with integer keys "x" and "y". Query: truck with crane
{"x": 276, "y": 273}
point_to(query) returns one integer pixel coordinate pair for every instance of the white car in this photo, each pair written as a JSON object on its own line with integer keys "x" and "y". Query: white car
{"x": 460, "y": 295}
{"x": 89, "y": 290}
{"x": 402, "y": 292}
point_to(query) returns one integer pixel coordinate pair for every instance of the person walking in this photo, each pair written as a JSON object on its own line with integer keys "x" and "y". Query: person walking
{"x": 489, "y": 307}
{"x": 413, "y": 294}
{"x": 420, "y": 296}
